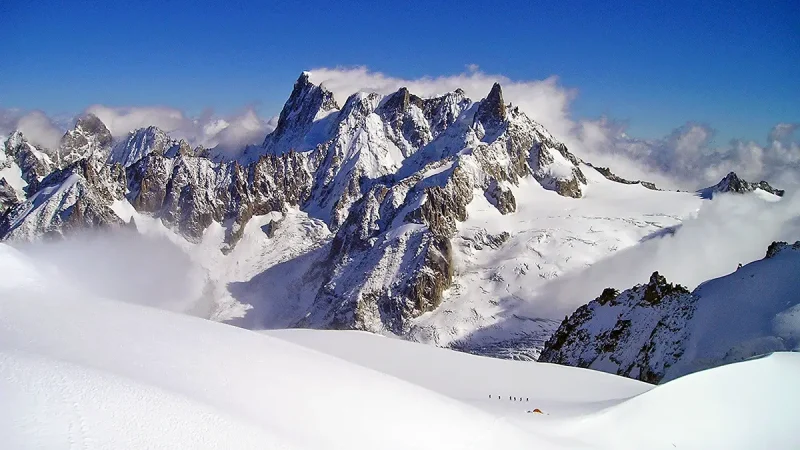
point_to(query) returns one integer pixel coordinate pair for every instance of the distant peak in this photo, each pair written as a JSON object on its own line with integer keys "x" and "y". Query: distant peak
{"x": 733, "y": 183}
{"x": 91, "y": 124}
{"x": 496, "y": 92}
{"x": 731, "y": 176}
{"x": 492, "y": 110}
{"x": 400, "y": 101}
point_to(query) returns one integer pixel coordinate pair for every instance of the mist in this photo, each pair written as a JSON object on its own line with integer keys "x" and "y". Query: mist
{"x": 124, "y": 265}
{"x": 728, "y": 230}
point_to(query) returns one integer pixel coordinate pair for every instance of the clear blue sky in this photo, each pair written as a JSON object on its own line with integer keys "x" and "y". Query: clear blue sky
{"x": 732, "y": 64}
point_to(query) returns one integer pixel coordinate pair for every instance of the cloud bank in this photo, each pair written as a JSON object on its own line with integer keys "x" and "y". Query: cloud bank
{"x": 127, "y": 266}
{"x": 227, "y": 134}
{"x": 37, "y": 127}
{"x": 687, "y": 159}
{"x": 727, "y": 230}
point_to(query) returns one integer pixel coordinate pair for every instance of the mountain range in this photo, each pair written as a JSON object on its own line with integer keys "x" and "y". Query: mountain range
{"x": 436, "y": 219}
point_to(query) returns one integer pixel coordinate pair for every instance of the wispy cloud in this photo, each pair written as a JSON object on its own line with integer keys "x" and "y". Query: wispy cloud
{"x": 38, "y": 128}
{"x": 227, "y": 133}
{"x": 687, "y": 158}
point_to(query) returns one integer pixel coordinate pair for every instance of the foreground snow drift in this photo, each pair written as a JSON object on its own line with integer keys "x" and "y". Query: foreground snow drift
{"x": 92, "y": 373}
{"x": 106, "y": 374}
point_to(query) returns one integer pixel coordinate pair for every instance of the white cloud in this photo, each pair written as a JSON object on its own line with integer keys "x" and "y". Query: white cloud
{"x": 122, "y": 120}
{"x": 91, "y": 261}
{"x": 687, "y": 159}
{"x": 229, "y": 133}
{"x": 728, "y": 230}
{"x": 39, "y": 129}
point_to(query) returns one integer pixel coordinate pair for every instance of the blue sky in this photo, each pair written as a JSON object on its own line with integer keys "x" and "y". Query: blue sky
{"x": 734, "y": 65}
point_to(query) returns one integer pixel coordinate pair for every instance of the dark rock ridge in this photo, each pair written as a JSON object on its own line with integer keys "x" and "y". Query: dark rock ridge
{"x": 8, "y": 197}
{"x": 659, "y": 331}
{"x": 75, "y": 197}
{"x": 732, "y": 183}
{"x": 491, "y": 112}
{"x": 637, "y": 333}
{"x": 606, "y": 172}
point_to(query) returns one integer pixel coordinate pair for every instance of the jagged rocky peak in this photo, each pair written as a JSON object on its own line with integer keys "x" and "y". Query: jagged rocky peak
{"x": 407, "y": 125}
{"x": 400, "y": 101}
{"x": 492, "y": 110}
{"x": 34, "y": 162}
{"x": 733, "y": 183}
{"x": 90, "y": 124}
{"x": 659, "y": 331}
{"x": 75, "y": 197}
{"x": 89, "y": 138}
{"x": 779, "y": 246}
{"x": 308, "y": 102}
{"x": 443, "y": 111}
{"x": 140, "y": 143}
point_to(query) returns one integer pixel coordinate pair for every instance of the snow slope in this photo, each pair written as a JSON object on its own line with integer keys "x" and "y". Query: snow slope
{"x": 742, "y": 406}
{"x": 754, "y": 310}
{"x": 77, "y": 371}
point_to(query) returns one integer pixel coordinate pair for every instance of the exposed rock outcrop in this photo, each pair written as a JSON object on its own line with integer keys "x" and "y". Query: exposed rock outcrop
{"x": 89, "y": 139}
{"x": 659, "y": 331}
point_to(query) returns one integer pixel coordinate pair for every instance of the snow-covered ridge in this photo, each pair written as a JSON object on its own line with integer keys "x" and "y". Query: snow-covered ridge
{"x": 658, "y": 331}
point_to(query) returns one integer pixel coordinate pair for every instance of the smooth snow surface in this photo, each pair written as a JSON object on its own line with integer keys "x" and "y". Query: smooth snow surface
{"x": 12, "y": 174}
{"x": 82, "y": 372}
{"x": 755, "y": 310}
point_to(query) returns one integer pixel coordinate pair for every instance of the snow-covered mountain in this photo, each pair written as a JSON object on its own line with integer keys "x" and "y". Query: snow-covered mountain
{"x": 658, "y": 331}
{"x": 90, "y": 139}
{"x": 732, "y": 183}
{"x": 429, "y": 218}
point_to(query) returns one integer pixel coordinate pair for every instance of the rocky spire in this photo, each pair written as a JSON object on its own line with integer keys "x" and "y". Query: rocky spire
{"x": 305, "y": 104}
{"x": 399, "y": 102}
{"x": 492, "y": 110}
{"x": 89, "y": 138}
